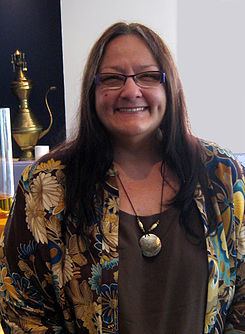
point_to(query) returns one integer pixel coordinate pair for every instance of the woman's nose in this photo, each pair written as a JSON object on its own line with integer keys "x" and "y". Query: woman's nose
{"x": 130, "y": 89}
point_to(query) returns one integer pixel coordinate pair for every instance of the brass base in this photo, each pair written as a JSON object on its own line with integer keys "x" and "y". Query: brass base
{"x": 27, "y": 139}
{"x": 27, "y": 155}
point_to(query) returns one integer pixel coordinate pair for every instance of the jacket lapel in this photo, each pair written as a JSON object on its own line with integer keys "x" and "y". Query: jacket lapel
{"x": 218, "y": 266}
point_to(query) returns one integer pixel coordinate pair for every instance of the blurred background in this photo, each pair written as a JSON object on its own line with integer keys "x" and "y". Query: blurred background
{"x": 206, "y": 38}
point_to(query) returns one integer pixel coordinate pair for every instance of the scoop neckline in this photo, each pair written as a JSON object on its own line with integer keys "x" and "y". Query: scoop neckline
{"x": 170, "y": 208}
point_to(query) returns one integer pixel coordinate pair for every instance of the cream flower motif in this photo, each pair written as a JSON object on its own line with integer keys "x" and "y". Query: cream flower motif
{"x": 113, "y": 204}
{"x": 35, "y": 219}
{"x": 46, "y": 190}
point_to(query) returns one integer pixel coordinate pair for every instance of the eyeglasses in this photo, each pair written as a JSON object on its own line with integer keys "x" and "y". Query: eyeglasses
{"x": 144, "y": 79}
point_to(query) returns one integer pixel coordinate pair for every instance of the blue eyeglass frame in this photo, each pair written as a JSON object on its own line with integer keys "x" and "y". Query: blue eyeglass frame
{"x": 162, "y": 80}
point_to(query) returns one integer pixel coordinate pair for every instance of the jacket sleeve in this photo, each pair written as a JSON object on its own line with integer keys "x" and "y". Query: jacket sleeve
{"x": 236, "y": 317}
{"x": 28, "y": 285}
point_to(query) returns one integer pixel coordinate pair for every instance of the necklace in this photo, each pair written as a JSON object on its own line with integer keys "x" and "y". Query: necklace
{"x": 150, "y": 243}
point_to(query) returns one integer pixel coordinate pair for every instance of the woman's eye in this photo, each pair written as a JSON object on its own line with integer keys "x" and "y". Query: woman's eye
{"x": 111, "y": 78}
{"x": 149, "y": 77}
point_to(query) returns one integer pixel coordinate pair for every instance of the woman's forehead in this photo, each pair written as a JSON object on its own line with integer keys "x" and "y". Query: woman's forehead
{"x": 127, "y": 50}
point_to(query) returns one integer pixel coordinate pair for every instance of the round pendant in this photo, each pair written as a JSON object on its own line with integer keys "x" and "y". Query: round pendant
{"x": 150, "y": 244}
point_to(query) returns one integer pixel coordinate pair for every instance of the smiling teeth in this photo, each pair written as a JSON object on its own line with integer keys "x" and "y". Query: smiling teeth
{"x": 131, "y": 109}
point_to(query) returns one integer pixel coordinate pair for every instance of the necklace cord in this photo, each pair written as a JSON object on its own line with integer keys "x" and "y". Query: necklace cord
{"x": 131, "y": 203}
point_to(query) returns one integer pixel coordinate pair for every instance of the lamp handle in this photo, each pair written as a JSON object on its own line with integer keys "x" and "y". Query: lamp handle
{"x": 44, "y": 132}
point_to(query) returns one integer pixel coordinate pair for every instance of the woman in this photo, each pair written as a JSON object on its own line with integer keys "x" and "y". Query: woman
{"x": 175, "y": 263}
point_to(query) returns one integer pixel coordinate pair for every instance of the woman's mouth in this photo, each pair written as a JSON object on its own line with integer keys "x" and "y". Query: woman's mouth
{"x": 131, "y": 110}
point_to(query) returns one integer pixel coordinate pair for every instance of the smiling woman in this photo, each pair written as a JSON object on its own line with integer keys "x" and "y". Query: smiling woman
{"x": 135, "y": 215}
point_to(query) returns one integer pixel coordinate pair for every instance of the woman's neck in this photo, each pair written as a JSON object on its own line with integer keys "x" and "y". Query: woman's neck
{"x": 137, "y": 157}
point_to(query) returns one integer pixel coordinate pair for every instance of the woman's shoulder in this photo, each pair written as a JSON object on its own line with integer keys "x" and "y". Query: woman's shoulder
{"x": 216, "y": 157}
{"x": 212, "y": 149}
{"x": 47, "y": 169}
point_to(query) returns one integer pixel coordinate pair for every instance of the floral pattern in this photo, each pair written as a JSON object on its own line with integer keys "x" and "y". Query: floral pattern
{"x": 52, "y": 281}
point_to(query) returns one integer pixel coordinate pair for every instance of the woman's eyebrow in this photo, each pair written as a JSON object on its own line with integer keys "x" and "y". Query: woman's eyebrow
{"x": 121, "y": 69}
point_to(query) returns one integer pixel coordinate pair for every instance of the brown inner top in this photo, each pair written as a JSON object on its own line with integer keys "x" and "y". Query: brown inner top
{"x": 165, "y": 293}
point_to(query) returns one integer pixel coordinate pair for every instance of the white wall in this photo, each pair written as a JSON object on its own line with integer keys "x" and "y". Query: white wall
{"x": 207, "y": 38}
{"x": 84, "y": 21}
{"x": 211, "y": 59}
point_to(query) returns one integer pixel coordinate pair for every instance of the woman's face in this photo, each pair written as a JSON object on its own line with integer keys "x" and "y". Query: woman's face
{"x": 131, "y": 111}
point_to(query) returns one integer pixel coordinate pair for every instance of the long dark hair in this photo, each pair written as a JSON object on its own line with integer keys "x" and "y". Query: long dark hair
{"x": 90, "y": 154}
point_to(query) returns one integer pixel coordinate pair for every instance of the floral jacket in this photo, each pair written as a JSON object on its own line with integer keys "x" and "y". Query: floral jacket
{"x": 52, "y": 281}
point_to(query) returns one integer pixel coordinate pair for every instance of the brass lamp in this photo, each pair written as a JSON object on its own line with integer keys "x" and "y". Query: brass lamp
{"x": 25, "y": 128}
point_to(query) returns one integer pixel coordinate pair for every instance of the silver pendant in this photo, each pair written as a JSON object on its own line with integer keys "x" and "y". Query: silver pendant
{"x": 150, "y": 244}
